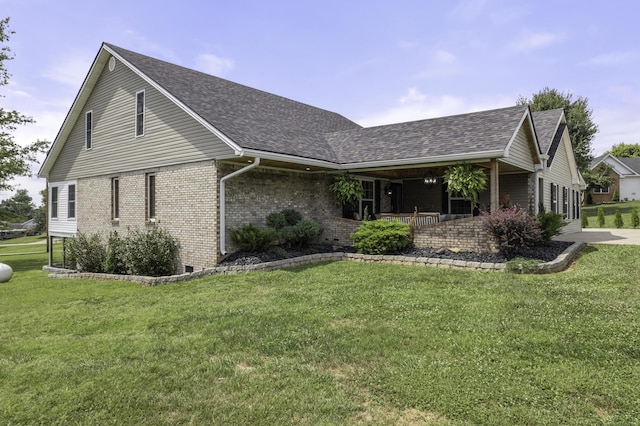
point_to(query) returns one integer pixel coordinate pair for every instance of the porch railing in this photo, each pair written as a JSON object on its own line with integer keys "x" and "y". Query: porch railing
{"x": 420, "y": 219}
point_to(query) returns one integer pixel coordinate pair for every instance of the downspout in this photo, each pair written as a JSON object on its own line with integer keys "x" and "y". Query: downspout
{"x": 223, "y": 234}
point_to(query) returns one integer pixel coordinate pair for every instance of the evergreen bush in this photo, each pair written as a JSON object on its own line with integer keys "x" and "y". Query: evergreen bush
{"x": 302, "y": 234}
{"x": 551, "y": 224}
{"x": 617, "y": 221}
{"x": 600, "y": 217}
{"x": 276, "y": 220}
{"x": 616, "y": 195}
{"x": 116, "y": 255}
{"x": 381, "y": 237}
{"x": 635, "y": 219}
{"x": 585, "y": 220}
{"x": 87, "y": 253}
{"x": 252, "y": 238}
{"x": 152, "y": 252}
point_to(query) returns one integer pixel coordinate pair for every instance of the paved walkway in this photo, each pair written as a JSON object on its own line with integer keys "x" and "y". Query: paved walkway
{"x": 603, "y": 236}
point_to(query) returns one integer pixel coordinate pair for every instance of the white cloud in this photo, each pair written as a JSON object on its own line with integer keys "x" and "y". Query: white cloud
{"x": 70, "y": 69}
{"x": 414, "y": 105}
{"x": 213, "y": 64}
{"x": 532, "y": 41}
{"x": 469, "y": 9}
{"x": 444, "y": 57}
{"x": 611, "y": 59}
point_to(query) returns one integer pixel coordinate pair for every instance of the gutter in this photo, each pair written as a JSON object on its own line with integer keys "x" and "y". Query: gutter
{"x": 223, "y": 233}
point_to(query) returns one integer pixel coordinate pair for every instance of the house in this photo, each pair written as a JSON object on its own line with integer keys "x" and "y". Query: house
{"x": 148, "y": 143}
{"x": 560, "y": 184}
{"x": 625, "y": 173}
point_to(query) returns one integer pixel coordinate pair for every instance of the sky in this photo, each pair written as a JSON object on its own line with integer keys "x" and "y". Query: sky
{"x": 373, "y": 61}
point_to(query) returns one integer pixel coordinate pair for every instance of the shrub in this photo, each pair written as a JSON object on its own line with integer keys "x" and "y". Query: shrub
{"x": 585, "y": 220}
{"x": 87, "y": 253}
{"x": 301, "y": 234}
{"x": 381, "y": 237}
{"x": 635, "y": 219}
{"x": 617, "y": 221}
{"x": 252, "y": 238}
{"x": 292, "y": 216}
{"x": 276, "y": 220}
{"x": 513, "y": 229}
{"x": 152, "y": 252}
{"x": 589, "y": 198}
{"x": 600, "y": 217}
{"x": 551, "y": 224}
{"x": 116, "y": 255}
{"x": 616, "y": 195}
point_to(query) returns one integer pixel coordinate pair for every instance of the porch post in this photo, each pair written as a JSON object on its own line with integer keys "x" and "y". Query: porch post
{"x": 495, "y": 185}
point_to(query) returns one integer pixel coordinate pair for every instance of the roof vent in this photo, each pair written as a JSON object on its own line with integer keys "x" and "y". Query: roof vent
{"x": 112, "y": 63}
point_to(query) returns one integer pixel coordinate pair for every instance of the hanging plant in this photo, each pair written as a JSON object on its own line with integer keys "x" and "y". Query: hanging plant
{"x": 346, "y": 190}
{"x": 465, "y": 180}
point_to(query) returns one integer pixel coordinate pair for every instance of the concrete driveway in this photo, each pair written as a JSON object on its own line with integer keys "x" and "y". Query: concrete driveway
{"x": 603, "y": 236}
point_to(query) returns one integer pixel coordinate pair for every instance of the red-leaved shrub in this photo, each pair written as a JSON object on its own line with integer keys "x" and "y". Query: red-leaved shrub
{"x": 513, "y": 229}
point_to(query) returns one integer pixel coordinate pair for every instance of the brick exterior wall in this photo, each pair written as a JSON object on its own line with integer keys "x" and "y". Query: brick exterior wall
{"x": 186, "y": 206}
{"x": 464, "y": 234}
{"x": 252, "y": 196}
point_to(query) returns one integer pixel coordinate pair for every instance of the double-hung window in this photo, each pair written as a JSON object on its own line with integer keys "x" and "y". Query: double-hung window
{"x": 54, "y": 202}
{"x": 565, "y": 202}
{"x": 115, "y": 198}
{"x": 554, "y": 198}
{"x": 600, "y": 189}
{"x": 88, "y": 124}
{"x": 71, "y": 202}
{"x": 140, "y": 113}
{"x": 367, "y": 201}
{"x": 150, "y": 198}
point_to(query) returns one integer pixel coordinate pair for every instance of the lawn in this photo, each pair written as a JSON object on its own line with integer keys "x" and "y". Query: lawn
{"x": 337, "y": 343}
{"x": 609, "y": 210}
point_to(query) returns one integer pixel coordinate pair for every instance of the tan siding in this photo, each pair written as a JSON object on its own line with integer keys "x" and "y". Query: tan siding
{"x": 520, "y": 151}
{"x": 171, "y": 136}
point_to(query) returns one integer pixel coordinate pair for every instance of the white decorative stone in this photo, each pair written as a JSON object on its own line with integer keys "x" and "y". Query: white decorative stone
{"x": 5, "y": 273}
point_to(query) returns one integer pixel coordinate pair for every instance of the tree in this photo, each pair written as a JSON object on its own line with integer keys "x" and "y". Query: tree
{"x": 20, "y": 205}
{"x": 622, "y": 149}
{"x": 40, "y": 215}
{"x": 599, "y": 176}
{"x": 581, "y": 127}
{"x": 14, "y": 158}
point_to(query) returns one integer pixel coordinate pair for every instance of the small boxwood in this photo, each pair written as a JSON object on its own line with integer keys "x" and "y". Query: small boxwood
{"x": 381, "y": 237}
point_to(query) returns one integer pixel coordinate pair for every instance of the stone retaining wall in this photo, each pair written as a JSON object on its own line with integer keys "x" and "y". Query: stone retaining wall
{"x": 559, "y": 264}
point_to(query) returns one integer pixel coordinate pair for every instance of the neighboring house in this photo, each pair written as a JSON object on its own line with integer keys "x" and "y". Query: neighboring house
{"x": 560, "y": 184}
{"x": 626, "y": 179}
{"x": 148, "y": 143}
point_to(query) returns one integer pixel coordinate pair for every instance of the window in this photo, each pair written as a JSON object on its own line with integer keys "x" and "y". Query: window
{"x": 367, "y": 198}
{"x": 140, "y": 113}
{"x": 72, "y": 202}
{"x": 600, "y": 189}
{"x": 554, "y": 198}
{"x": 565, "y": 202}
{"x": 150, "y": 191}
{"x": 54, "y": 201}
{"x": 88, "y": 121}
{"x": 115, "y": 198}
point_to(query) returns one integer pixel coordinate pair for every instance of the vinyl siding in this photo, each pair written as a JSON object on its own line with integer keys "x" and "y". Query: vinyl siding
{"x": 171, "y": 136}
{"x": 521, "y": 151}
{"x": 62, "y": 226}
{"x": 559, "y": 173}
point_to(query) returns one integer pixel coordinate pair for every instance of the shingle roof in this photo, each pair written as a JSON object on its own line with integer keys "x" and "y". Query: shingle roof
{"x": 632, "y": 163}
{"x": 261, "y": 121}
{"x": 252, "y": 118}
{"x": 459, "y": 134}
{"x": 546, "y": 123}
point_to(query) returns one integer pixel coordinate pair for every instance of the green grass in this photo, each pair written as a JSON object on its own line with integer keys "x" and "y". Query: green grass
{"x": 609, "y": 212}
{"x": 338, "y": 343}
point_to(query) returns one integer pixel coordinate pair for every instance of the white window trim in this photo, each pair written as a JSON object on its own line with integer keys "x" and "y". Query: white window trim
{"x": 144, "y": 114}
{"x": 88, "y": 131}
{"x": 57, "y": 203}
{"x": 372, "y": 200}
{"x": 115, "y": 201}
{"x": 75, "y": 201}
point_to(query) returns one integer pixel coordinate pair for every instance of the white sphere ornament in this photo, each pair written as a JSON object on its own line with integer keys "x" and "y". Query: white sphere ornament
{"x": 5, "y": 273}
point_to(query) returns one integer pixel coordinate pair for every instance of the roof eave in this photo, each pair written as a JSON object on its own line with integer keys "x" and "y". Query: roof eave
{"x": 425, "y": 160}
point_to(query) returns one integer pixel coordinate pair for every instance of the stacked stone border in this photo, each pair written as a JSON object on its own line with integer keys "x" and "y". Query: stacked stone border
{"x": 559, "y": 264}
